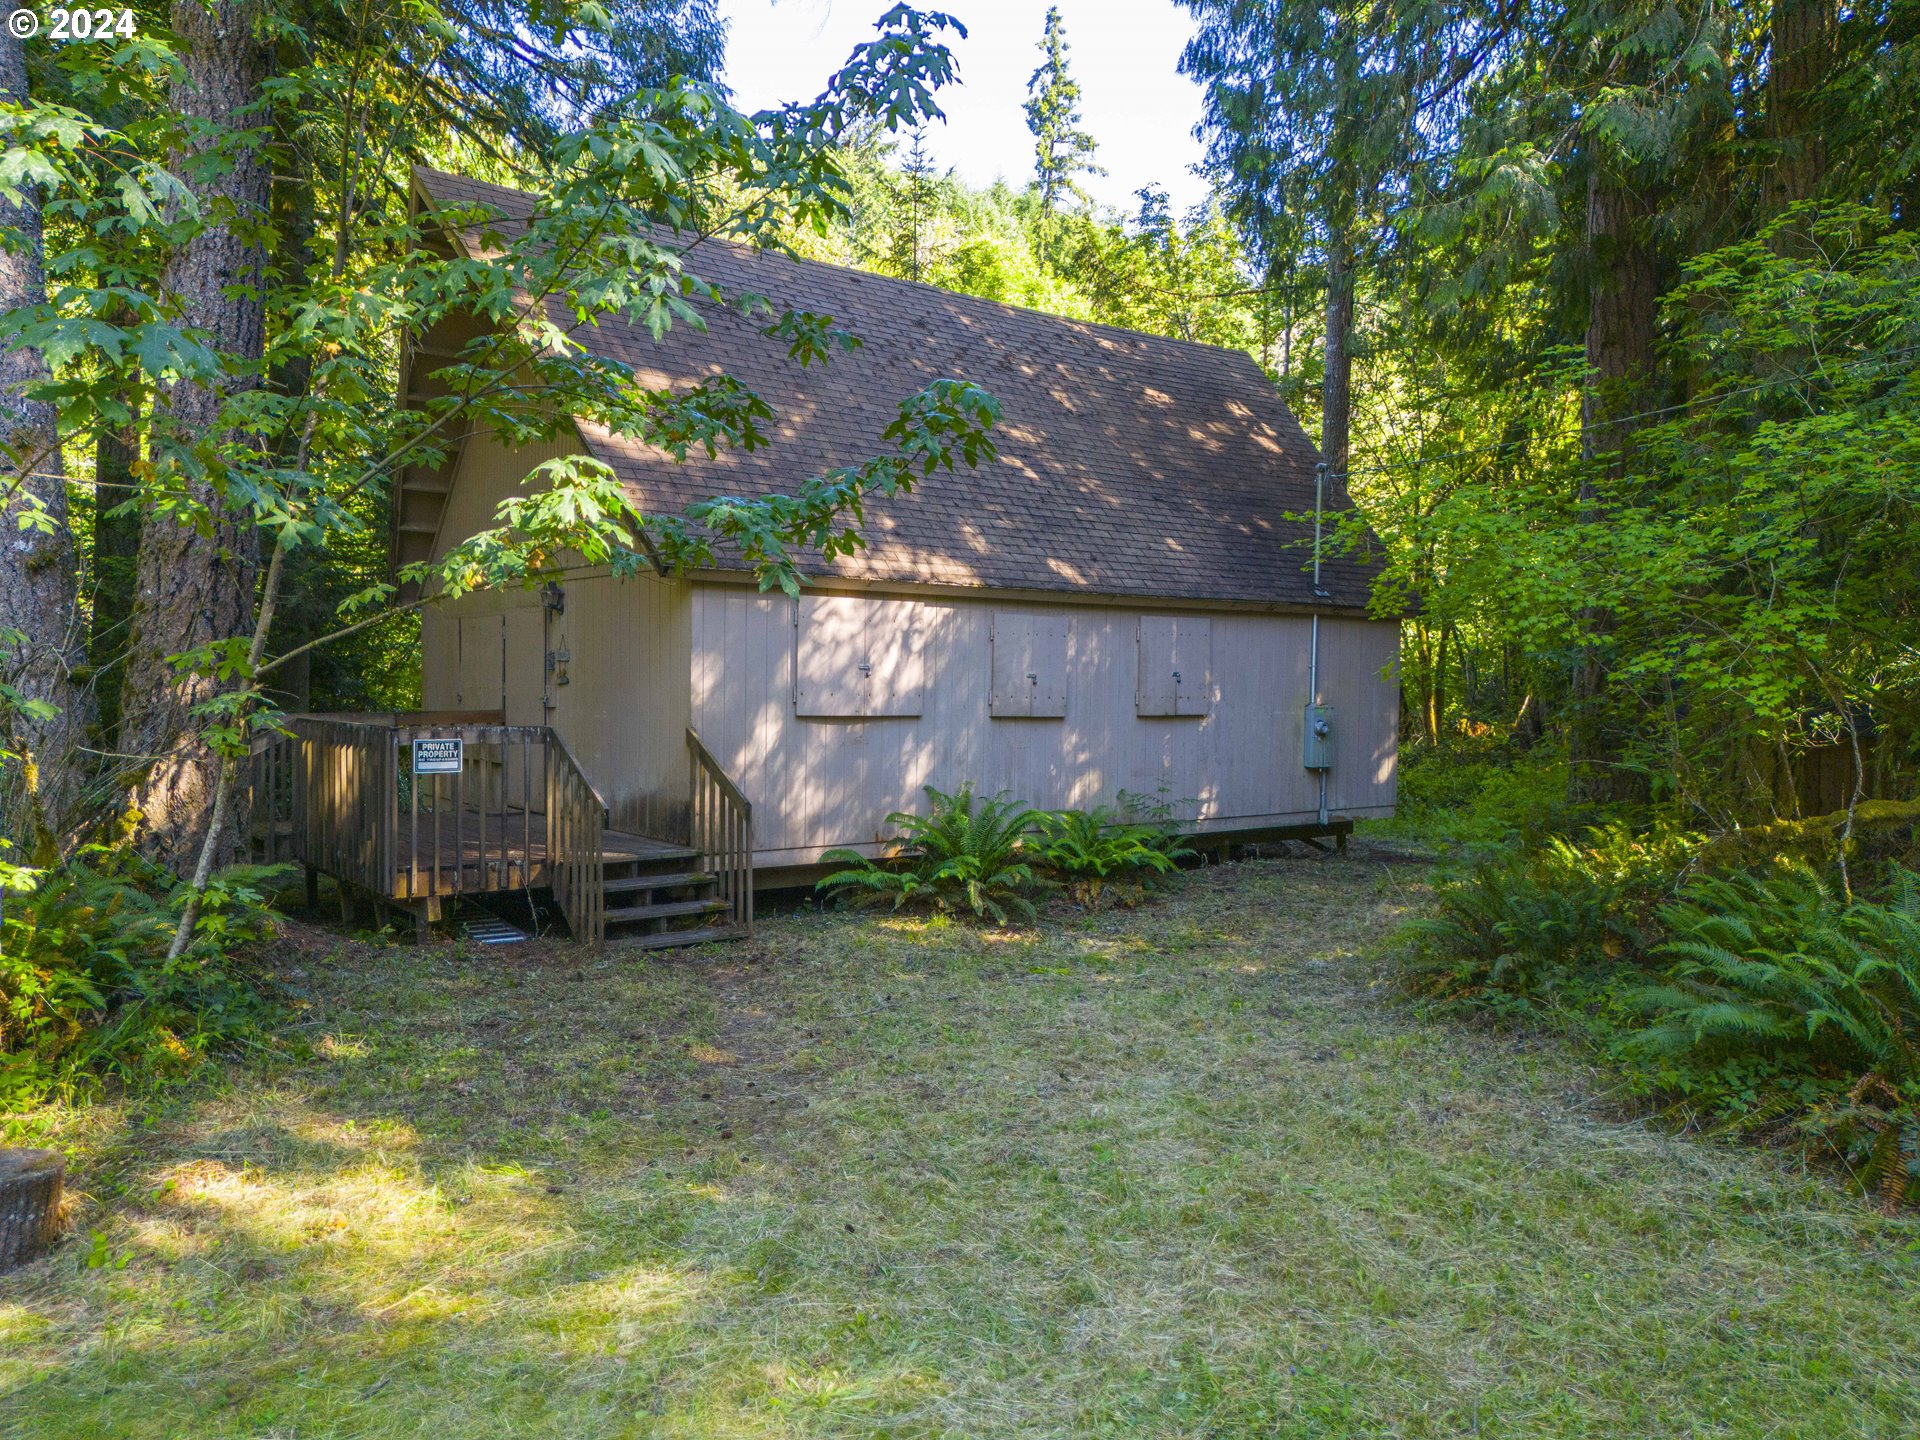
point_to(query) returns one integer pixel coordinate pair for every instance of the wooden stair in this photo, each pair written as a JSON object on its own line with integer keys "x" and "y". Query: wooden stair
{"x": 662, "y": 900}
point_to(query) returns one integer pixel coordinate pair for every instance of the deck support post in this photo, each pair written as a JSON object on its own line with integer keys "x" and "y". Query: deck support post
{"x": 313, "y": 887}
{"x": 346, "y": 902}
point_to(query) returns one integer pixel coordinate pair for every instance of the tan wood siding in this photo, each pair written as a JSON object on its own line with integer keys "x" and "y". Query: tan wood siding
{"x": 817, "y": 782}
{"x": 482, "y": 662}
{"x": 624, "y": 710}
{"x": 1359, "y": 677}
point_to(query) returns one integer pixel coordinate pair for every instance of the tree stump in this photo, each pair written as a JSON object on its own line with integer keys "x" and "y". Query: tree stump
{"x": 30, "y": 1186}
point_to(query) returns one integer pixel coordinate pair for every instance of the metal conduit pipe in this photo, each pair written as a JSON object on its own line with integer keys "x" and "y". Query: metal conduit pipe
{"x": 1313, "y": 649}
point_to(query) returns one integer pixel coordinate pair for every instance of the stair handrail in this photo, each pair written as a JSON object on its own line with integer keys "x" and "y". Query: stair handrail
{"x": 576, "y": 843}
{"x": 720, "y": 827}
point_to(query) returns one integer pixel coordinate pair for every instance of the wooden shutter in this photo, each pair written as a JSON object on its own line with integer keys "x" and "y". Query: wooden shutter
{"x": 1029, "y": 665}
{"x": 856, "y": 656}
{"x": 1192, "y": 666}
{"x": 832, "y": 648}
{"x": 1154, "y": 686}
{"x": 1176, "y": 665}
{"x": 896, "y": 653}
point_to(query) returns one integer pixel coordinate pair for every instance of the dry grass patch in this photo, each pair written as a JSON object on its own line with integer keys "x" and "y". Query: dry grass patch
{"x": 1180, "y": 1171}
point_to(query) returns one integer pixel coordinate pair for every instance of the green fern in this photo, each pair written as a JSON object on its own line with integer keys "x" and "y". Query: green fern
{"x": 86, "y": 989}
{"x": 966, "y": 854}
{"x": 1775, "y": 974}
{"x": 1098, "y": 853}
{"x": 1514, "y": 926}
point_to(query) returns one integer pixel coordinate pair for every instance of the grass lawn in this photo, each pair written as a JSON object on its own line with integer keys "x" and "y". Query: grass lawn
{"x": 1177, "y": 1172}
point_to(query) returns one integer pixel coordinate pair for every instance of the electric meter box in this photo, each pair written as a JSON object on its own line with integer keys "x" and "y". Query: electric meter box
{"x": 1318, "y": 750}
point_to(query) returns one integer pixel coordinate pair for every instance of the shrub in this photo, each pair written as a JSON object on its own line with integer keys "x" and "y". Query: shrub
{"x": 86, "y": 990}
{"x": 1478, "y": 792}
{"x": 1516, "y": 925}
{"x": 965, "y": 855}
{"x": 1098, "y": 854}
{"x": 1785, "y": 1004}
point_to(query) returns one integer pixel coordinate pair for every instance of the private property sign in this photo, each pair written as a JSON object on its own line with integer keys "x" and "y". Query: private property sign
{"x": 436, "y": 757}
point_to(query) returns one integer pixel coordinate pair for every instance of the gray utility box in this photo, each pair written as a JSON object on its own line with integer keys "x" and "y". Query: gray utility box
{"x": 1317, "y": 753}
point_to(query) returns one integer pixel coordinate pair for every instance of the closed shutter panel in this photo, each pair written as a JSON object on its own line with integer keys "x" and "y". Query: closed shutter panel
{"x": 1154, "y": 690}
{"x": 896, "y": 636}
{"x": 1029, "y": 665}
{"x": 1176, "y": 664}
{"x": 832, "y": 646}
{"x": 1192, "y": 666}
{"x": 857, "y": 656}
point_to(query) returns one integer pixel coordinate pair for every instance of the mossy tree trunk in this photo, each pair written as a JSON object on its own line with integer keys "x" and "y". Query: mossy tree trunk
{"x": 43, "y": 661}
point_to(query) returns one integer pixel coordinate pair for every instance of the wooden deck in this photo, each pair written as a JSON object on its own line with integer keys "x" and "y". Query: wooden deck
{"x": 413, "y": 810}
{"x": 487, "y": 851}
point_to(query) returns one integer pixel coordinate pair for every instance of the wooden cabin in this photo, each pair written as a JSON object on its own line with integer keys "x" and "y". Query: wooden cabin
{"x": 1125, "y": 601}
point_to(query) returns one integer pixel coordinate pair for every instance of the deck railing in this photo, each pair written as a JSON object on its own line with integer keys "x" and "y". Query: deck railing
{"x": 576, "y": 840}
{"x": 341, "y": 800}
{"x": 478, "y": 828}
{"x": 340, "y": 795}
{"x": 722, "y": 830}
{"x": 270, "y": 796}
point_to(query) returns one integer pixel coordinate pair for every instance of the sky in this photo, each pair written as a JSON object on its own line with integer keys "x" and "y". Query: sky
{"x": 1124, "y": 53}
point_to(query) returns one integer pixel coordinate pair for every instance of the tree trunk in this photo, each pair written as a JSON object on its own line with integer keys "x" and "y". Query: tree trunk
{"x": 1336, "y": 387}
{"x": 39, "y": 589}
{"x": 198, "y": 588}
{"x": 1619, "y": 346}
{"x": 1801, "y": 51}
{"x": 116, "y": 552}
{"x": 1286, "y": 328}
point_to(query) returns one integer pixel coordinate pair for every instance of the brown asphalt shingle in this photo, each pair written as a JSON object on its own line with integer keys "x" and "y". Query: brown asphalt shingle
{"x": 1130, "y": 465}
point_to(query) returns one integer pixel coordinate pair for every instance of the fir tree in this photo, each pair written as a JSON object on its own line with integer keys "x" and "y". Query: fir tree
{"x": 917, "y": 170}
{"x": 1061, "y": 149}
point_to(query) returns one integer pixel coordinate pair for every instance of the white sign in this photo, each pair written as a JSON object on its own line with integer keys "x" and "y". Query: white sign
{"x": 436, "y": 757}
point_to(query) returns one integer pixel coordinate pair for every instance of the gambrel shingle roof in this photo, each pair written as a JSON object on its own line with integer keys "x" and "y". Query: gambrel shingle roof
{"x": 1130, "y": 465}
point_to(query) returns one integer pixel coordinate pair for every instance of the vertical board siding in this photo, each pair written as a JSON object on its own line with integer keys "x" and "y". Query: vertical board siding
{"x": 624, "y": 711}
{"x": 1354, "y": 656}
{"x": 481, "y": 663}
{"x": 816, "y": 782}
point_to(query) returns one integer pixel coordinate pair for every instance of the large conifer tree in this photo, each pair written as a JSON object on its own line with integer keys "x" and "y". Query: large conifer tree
{"x": 1062, "y": 151}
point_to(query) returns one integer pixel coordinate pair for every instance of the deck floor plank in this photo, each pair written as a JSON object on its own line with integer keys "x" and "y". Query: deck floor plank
{"x": 480, "y": 869}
